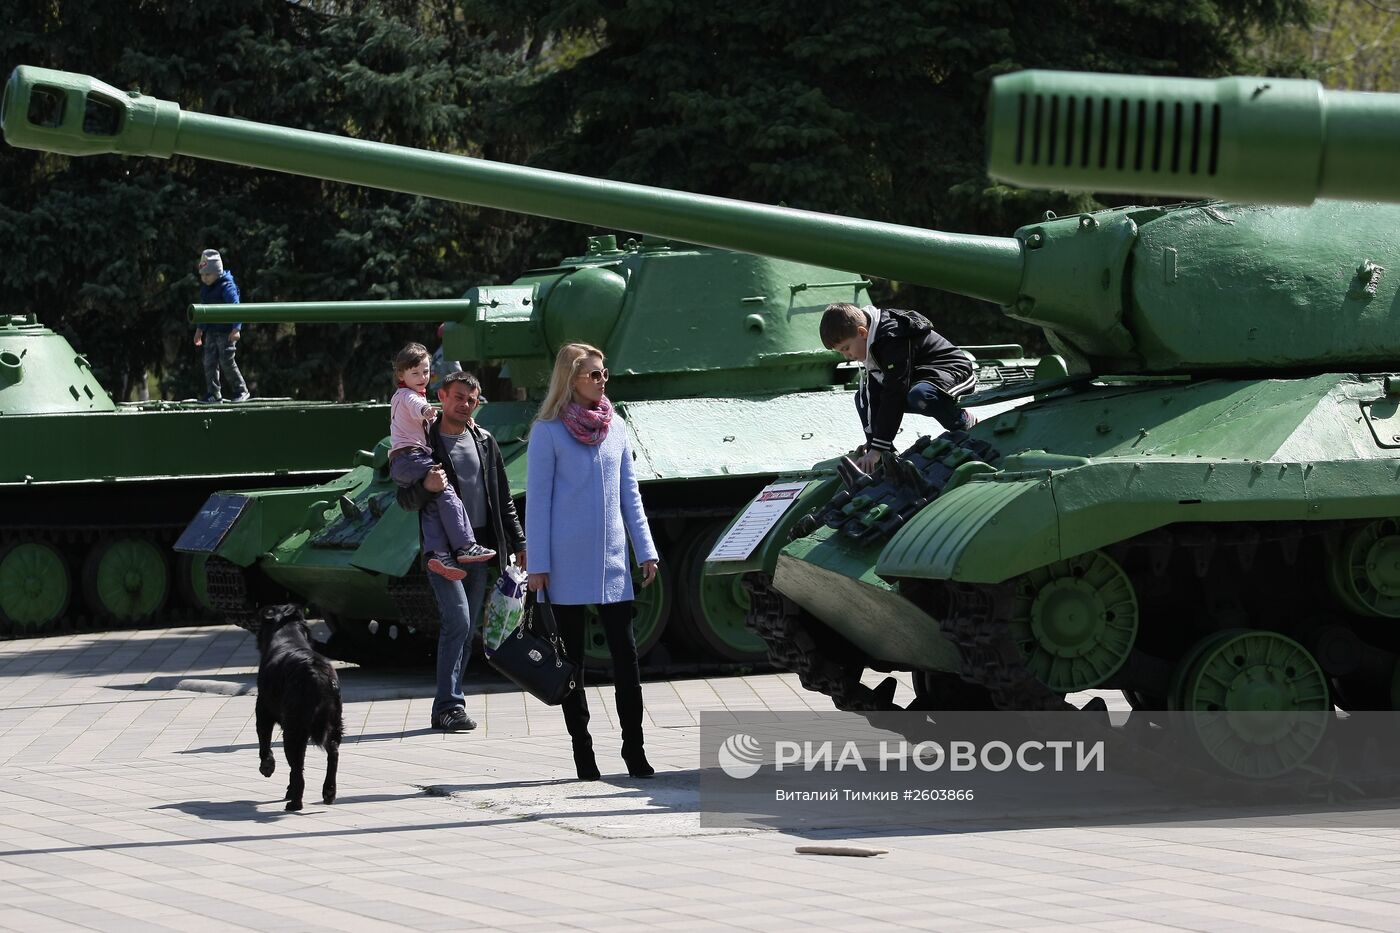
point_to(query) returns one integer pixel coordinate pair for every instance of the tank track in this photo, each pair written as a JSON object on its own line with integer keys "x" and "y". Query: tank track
{"x": 793, "y": 645}
{"x": 869, "y": 509}
{"x": 991, "y": 658}
{"x": 229, "y": 594}
{"x": 414, "y": 599}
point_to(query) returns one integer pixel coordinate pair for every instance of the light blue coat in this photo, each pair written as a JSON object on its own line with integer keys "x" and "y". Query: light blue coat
{"x": 578, "y": 501}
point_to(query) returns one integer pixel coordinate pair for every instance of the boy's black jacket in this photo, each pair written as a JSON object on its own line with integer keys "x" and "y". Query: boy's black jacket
{"x": 499, "y": 505}
{"x": 907, "y": 350}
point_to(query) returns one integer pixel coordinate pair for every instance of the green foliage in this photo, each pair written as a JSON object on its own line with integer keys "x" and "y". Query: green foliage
{"x": 1350, "y": 45}
{"x": 104, "y": 249}
{"x": 870, "y": 108}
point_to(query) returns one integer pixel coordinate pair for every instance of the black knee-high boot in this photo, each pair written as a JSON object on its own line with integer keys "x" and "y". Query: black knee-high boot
{"x": 575, "y": 705}
{"x": 627, "y": 680}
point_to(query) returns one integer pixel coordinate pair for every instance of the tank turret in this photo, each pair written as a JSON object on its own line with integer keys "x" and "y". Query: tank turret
{"x": 675, "y": 320}
{"x": 1125, "y": 291}
{"x": 40, "y": 373}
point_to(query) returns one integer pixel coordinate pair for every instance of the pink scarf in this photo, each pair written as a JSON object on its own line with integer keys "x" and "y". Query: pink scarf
{"x": 588, "y": 425}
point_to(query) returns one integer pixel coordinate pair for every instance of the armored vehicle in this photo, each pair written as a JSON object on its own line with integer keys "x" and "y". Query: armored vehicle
{"x": 1198, "y": 509}
{"x": 718, "y": 376}
{"x": 93, "y": 493}
{"x": 717, "y": 371}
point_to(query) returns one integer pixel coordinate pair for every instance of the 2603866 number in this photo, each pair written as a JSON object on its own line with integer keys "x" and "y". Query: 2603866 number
{"x": 940, "y": 794}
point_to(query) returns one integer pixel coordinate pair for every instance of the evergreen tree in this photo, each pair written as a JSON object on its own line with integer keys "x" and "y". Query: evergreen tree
{"x": 867, "y": 108}
{"x": 870, "y": 109}
{"x": 104, "y": 248}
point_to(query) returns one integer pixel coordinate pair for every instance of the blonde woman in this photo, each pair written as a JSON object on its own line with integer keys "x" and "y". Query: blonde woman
{"x": 581, "y": 506}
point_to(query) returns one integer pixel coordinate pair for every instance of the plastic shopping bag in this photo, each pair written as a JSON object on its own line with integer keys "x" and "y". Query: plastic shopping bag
{"x": 505, "y": 609}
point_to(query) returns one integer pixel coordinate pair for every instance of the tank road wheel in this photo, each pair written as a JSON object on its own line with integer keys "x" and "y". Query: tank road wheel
{"x": 714, "y": 609}
{"x": 650, "y": 607}
{"x": 35, "y": 587}
{"x": 1365, "y": 569}
{"x": 192, "y": 584}
{"x": 126, "y": 579}
{"x": 1075, "y": 621}
{"x": 1227, "y": 676}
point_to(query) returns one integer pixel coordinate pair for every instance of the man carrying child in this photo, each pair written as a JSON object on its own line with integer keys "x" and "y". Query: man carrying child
{"x": 469, "y": 463}
{"x": 448, "y": 539}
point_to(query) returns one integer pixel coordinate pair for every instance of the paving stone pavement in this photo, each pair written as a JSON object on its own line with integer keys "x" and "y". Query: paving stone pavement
{"x": 130, "y": 800}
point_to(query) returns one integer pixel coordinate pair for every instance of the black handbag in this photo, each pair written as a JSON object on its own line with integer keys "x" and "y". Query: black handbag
{"x": 532, "y": 657}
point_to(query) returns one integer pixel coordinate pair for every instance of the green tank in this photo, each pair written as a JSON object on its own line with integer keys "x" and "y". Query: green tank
{"x": 94, "y": 493}
{"x": 718, "y": 374}
{"x": 1199, "y": 507}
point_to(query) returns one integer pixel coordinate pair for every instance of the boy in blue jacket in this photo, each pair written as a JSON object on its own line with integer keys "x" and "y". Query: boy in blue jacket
{"x": 220, "y": 341}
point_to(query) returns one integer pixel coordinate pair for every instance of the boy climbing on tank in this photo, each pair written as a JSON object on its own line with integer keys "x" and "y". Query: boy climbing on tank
{"x": 908, "y": 366}
{"x": 447, "y": 535}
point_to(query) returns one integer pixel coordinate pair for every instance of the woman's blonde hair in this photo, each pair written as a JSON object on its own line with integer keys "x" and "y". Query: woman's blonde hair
{"x": 561, "y": 381}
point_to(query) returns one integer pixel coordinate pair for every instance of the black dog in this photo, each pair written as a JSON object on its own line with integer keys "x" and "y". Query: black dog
{"x": 298, "y": 690}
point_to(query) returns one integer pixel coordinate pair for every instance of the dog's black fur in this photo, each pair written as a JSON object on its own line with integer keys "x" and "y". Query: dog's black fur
{"x": 298, "y": 690}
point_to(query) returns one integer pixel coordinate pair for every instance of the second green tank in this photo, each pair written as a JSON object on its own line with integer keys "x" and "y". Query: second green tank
{"x": 718, "y": 375}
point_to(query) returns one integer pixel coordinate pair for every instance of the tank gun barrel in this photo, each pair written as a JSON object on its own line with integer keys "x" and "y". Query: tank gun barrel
{"x": 1263, "y": 140}
{"x": 333, "y": 312}
{"x": 78, "y": 115}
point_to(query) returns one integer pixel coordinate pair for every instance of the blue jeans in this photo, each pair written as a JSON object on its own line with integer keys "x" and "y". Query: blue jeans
{"x": 219, "y": 355}
{"x": 460, "y": 603}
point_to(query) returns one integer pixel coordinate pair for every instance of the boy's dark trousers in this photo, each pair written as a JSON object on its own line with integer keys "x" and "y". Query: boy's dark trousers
{"x": 924, "y": 398}
{"x": 219, "y": 354}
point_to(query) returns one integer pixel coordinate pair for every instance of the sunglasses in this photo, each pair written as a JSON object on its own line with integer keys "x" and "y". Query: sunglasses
{"x": 597, "y": 376}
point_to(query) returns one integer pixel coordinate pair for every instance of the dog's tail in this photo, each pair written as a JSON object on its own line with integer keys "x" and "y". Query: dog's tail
{"x": 322, "y": 694}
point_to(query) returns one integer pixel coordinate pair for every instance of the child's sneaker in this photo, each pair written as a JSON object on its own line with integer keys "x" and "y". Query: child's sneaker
{"x": 446, "y": 567}
{"x": 968, "y": 419}
{"x": 474, "y": 554}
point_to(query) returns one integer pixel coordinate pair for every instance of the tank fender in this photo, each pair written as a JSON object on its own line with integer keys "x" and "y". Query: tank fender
{"x": 392, "y": 545}
{"x": 996, "y": 526}
{"x": 981, "y": 532}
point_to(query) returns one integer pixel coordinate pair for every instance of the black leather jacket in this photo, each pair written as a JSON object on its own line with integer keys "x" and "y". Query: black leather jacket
{"x": 499, "y": 505}
{"x": 907, "y": 350}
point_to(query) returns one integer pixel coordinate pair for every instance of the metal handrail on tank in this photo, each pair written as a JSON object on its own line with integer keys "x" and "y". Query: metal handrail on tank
{"x": 78, "y": 115}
